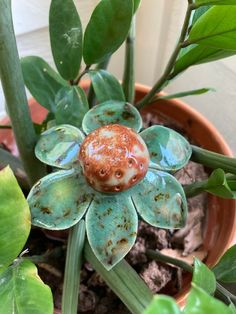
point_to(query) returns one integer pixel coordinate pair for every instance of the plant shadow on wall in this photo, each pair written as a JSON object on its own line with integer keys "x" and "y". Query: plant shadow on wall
{"x": 103, "y": 169}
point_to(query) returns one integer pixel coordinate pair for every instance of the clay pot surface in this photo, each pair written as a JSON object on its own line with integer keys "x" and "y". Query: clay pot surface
{"x": 221, "y": 221}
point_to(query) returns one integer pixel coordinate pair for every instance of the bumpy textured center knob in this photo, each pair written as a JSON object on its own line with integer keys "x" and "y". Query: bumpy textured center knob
{"x": 113, "y": 158}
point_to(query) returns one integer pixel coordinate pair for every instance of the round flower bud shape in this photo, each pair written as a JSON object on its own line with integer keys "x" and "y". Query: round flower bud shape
{"x": 113, "y": 158}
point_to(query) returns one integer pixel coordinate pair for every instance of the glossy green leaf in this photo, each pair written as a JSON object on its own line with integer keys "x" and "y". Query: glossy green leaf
{"x": 14, "y": 218}
{"x": 168, "y": 149}
{"x": 23, "y": 292}
{"x": 215, "y": 2}
{"x": 112, "y": 112}
{"x": 187, "y": 93}
{"x": 71, "y": 106}
{"x": 107, "y": 29}
{"x": 225, "y": 269}
{"x": 66, "y": 37}
{"x": 59, "y": 146}
{"x": 136, "y": 5}
{"x": 160, "y": 200}
{"x": 111, "y": 224}
{"x": 42, "y": 81}
{"x": 200, "y": 302}
{"x": 216, "y": 28}
{"x": 203, "y": 277}
{"x": 162, "y": 304}
{"x": 219, "y": 185}
{"x": 106, "y": 86}
{"x": 199, "y": 12}
{"x": 197, "y": 54}
{"x": 59, "y": 200}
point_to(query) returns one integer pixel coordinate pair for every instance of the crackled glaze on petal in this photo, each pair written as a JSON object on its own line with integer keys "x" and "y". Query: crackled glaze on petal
{"x": 113, "y": 158}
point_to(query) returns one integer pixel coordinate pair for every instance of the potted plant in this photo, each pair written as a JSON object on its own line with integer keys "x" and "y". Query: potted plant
{"x": 102, "y": 168}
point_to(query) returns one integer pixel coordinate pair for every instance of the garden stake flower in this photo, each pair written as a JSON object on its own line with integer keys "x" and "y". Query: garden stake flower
{"x": 111, "y": 175}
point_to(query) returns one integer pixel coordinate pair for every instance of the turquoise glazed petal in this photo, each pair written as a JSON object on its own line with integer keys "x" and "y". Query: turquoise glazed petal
{"x": 112, "y": 112}
{"x": 59, "y": 146}
{"x": 160, "y": 200}
{"x": 169, "y": 150}
{"x": 111, "y": 225}
{"x": 59, "y": 200}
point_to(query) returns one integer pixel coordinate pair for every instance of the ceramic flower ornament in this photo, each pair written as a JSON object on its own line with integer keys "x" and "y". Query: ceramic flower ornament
{"x": 110, "y": 173}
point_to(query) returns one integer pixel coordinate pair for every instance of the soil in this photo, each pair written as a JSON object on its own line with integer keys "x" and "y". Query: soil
{"x": 95, "y": 296}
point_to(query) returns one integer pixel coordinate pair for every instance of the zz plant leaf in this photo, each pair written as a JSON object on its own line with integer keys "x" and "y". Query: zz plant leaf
{"x": 106, "y": 86}
{"x": 225, "y": 269}
{"x": 42, "y": 81}
{"x": 199, "y": 3}
{"x": 23, "y": 292}
{"x": 14, "y": 219}
{"x": 221, "y": 185}
{"x": 71, "y": 106}
{"x": 162, "y": 304}
{"x": 214, "y": 30}
{"x": 107, "y": 29}
{"x": 66, "y": 37}
{"x": 203, "y": 277}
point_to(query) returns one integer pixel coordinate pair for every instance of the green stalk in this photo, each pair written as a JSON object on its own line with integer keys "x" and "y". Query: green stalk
{"x": 213, "y": 160}
{"x": 158, "y": 256}
{"x": 164, "y": 79}
{"x": 91, "y": 95}
{"x": 72, "y": 268}
{"x": 6, "y": 159}
{"x": 14, "y": 91}
{"x": 124, "y": 281}
{"x": 129, "y": 77}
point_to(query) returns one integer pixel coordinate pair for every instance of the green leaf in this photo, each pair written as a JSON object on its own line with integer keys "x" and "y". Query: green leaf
{"x": 200, "y": 302}
{"x": 23, "y": 292}
{"x": 225, "y": 269}
{"x": 59, "y": 200}
{"x": 216, "y": 28}
{"x": 71, "y": 106}
{"x": 203, "y": 277}
{"x": 112, "y": 112}
{"x": 136, "y": 5}
{"x": 14, "y": 218}
{"x": 187, "y": 93}
{"x": 168, "y": 150}
{"x": 107, "y": 29}
{"x": 111, "y": 224}
{"x": 197, "y": 54}
{"x": 219, "y": 185}
{"x": 42, "y": 81}
{"x": 59, "y": 146}
{"x": 160, "y": 200}
{"x": 199, "y": 12}
{"x": 66, "y": 37}
{"x": 162, "y": 304}
{"x": 215, "y": 2}
{"x": 106, "y": 86}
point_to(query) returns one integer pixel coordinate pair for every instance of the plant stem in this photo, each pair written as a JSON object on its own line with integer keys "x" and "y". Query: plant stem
{"x": 213, "y": 160}
{"x": 128, "y": 77}
{"x": 163, "y": 80}
{"x": 72, "y": 268}
{"x": 158, "y": 256}
{"x": 14, "y": 91}
{"x": 91, "y": 95}
{"x": 6, "y": 159}
{"x": 85, "y": 71}
{"x": 124, "y": 281}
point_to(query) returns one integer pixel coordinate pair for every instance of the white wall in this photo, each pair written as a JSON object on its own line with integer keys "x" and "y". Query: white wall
{"x": 158, "y": 26}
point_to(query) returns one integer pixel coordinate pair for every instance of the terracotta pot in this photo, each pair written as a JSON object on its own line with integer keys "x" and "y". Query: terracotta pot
{"x": 221, "y": 227}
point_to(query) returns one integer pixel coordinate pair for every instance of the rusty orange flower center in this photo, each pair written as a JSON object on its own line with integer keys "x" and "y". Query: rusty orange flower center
{"x": 113, "y": 158}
